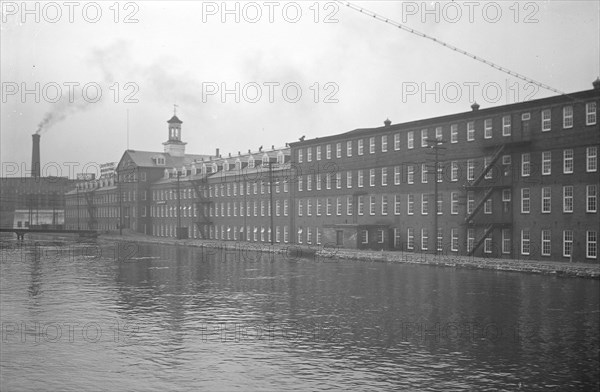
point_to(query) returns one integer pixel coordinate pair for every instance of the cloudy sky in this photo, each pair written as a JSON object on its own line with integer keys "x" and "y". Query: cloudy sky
{"x": 301, "y": 68}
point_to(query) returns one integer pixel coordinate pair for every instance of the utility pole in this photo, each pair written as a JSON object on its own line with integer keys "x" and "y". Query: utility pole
{"x": 435, "y": 144}
{"x": 78, "y": 207}
{"x": 178, "y": 208}
{"x": 120, "y": 204}
{"x": 271, "y": 199}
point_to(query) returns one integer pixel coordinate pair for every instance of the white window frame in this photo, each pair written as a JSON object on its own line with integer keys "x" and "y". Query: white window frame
{"x": 567, "y": 117}
{"x": 590, "y": 113}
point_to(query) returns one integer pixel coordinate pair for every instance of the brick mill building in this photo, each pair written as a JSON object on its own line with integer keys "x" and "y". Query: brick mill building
{"x": 514, "y": 181}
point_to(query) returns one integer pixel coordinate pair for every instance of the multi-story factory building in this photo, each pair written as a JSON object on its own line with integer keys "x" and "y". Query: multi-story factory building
{"x": 515, "y": 181}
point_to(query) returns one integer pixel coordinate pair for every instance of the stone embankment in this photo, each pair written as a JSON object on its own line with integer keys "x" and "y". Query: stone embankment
{"x": 331, "y": 255}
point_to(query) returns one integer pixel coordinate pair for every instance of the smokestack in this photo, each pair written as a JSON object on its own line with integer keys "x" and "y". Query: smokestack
{"x": 35, "y": 156}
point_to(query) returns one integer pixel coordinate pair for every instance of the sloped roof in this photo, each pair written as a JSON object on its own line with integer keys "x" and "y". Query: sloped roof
{"x": 144, "y": 158}
{"x": 175, "y": 119}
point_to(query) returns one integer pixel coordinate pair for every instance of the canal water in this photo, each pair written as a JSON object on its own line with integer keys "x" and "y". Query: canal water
{"x": 128, "y": 317}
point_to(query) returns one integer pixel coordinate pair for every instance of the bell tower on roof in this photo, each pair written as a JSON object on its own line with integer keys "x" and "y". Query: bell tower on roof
{"x": 174, "y": 146}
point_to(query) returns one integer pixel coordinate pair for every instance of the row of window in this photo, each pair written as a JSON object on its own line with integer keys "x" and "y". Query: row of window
{"x": 427, "y": 139}
{"x": 455, "y": 169}
{"x": 568, "y": 199}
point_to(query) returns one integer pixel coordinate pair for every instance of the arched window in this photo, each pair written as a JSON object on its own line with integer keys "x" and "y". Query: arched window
{"x": 265, "y": 159}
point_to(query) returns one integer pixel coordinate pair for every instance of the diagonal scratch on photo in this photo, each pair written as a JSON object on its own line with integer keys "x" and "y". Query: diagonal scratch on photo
{"x": 299, "y": 195}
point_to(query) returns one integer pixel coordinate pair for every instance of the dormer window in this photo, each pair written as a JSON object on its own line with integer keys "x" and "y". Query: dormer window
{"x": 238, "y": 164}
{"x": 215, "y": 167}
{"x": 265, "y": 159}
{"x": 226, "y": 166}
{"x": 280, "y": 158}
{"x": 203, "y": 168}
{"x": 251, "y": 162}
{"x": 159, "y": 160}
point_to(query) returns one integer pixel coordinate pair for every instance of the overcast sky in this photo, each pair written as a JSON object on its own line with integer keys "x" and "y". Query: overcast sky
{"x": 180, "y": 52}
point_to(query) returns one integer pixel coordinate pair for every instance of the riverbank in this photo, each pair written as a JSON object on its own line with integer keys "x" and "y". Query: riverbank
{"x": 575, "y": 269}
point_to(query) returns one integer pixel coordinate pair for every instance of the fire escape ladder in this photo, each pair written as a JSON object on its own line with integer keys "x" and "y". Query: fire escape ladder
{"x": 479, "y": 205}
{"x": 91, "y": 208}
{"x": 201, "y": 202}
{"x": 489, "y": 166}
{"x": 477, "y": 244}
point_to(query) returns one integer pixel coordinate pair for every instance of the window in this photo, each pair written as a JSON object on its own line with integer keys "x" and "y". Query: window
{"x": 454, "y": 133}
{"x": 396, "y": 204}
{"x": 424, "y": 239}
{"x": 525, "y": 201}
{"x": 361, "y": 147}
{"x": 487, "y": 206}
{"x": 348, "y": 179}
{"x": 410, "y": 139}
{"x": 410, "y": 201}
{"x": 487, "y": 245}
{"x": 568, "y": 161}
{"x": 364, "y": 236}
{"x": 567, "y": 243}
{"x": 410, "y": 238}
{"x": 424, "y": 138}
{"x": 546, "y": 200}
{"x": 546, "y": 242}
{"x": 349, "y": 207}
{"x": 318, "y": 207}
{"x": 470, "y": 239}
{"x": 591, "y": 192}
{"x": 300, "y": 182}
{"x": 506, "y": 241}
{"x": 300, "y": 235}
{"x": 506, "y": 126}
{"x": 525, "y": 242}
{"x": 371, "y": 177}
{"x": 309, "y": 182}
{"x": 410, "y": 174}
{"x": 397, "y": 173}
{"x": 328, "y": 207}
{"x": 525, "y": 165}
{"x": 424, "y": 173}
{"x": 318, "y": 153}
{"x": 454, "y": 171}
{"x": 371, "y": 145}
{"x": 438, "y": 133}
{"x": 470, "y": 201}
{"x": 567, "y": 117}
{"x": 384, "y": 143}
{"x": 338, "y": 180}
{"x": 424, "y": 204}
{"x": 546, "y": 163}
{"x": 454, "y": 203}
{"x": 397, "y": 238}
{"x": 384, "y": 205}
{"x": 308, "y": 207}
{"x": 360, "y": 179}
{"x": 328, "y": 181}
{"x": 285, "y": 208}
{"x": 439, "y": 205}
{"x": 591, "y": 244}
{"x": 454, "y": 242}
{"x": 490, "y": 170}
{"x": 568, "y": 198}
{"x": 380, "y": 236}
{"x": 338, "y": 150}
{"x": 361, "y": 205}
{"x": 591, "y": 158}
{"x": 384, "y": 176}
{"x": 349, "y": 148}
{"x": 318, "y": 182}
{"x": 487, "y": 131}
{"x": 470, "y": 169}
{"x": 299, "y": 158}
{"x": 328, "y": 151}
{"x": 590, "y": 113}
{"x": 546, "y": 120}
{"x": 440, "y": 240}
{"x": 300, "y": 207}
{"x": 470, "y": 131}
{"x": 338, "y": 206}
{"x": 372, "y": 205}
{"x": 397, "y": 142}
{"x": 309, "y": 154}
